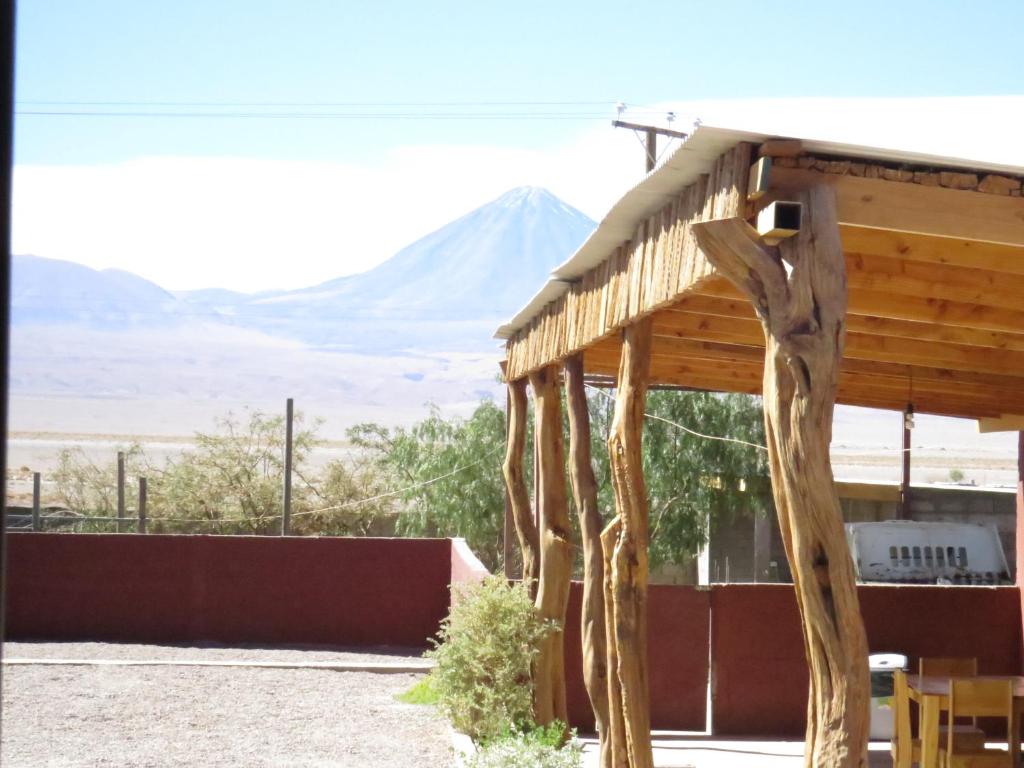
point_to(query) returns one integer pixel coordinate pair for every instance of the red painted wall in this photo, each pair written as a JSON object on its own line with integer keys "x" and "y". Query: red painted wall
{"x": 677, "y": 653}
{"x": 395, "y": 591}
{"x": 759, "y": 673}
{"x": 167, "y": 589}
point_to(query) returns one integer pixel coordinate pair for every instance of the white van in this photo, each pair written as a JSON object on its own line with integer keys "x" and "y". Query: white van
{"x": 911, "y": 552}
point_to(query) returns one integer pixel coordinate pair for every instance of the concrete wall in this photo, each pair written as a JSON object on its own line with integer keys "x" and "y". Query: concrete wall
{"x": 173, "y": 589}
{"x": 732, "y": 551}
{"x": 465, "y": 566}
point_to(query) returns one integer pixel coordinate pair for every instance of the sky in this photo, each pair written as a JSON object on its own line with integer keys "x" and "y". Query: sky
{"x": 261, "y": 144}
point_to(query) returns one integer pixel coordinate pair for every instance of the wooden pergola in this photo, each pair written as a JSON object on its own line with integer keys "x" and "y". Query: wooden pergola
{"x": 808, "y": 272}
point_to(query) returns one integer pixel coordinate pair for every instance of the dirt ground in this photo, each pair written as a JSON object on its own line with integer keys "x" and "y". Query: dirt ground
{"x": 152, "y": 717}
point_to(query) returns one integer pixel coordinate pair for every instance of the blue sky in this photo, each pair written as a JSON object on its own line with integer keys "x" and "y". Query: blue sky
{"x": 382, "y": 59}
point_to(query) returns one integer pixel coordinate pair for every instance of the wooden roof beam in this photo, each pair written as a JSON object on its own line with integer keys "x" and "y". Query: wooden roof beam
{"x": 721, "y": 307}
{"x": 859, "y": 345}
{"x": 737, "y": 362}
{"x": 949, "y": 251}
{"x": 913, "y": 278}
{"x": 853, "y": 390}
{"x": 879, "y": 302}
{"x": 915, "y": 208}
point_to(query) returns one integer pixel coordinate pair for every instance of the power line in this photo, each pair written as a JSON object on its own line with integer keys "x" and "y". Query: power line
{"x": 687, "y": 429}
{"x": 137, "y": 103}
{"x": 314, "y": 116}
{"x": 426, "y": 110}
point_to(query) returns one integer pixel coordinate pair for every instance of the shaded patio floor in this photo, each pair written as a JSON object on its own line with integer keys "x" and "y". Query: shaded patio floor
{"x": 680, "y": 749}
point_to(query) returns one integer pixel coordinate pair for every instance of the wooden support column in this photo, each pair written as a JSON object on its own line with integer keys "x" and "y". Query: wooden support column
{"x": 555, "y": 546}
{"x": 629, "y": 569}
{"x": 584, "y": 489}
{"x": 799, "y": 292}
{"x": 515, "y": 484}
{"x": 508, "y": 534}
{"x": 616, "y": 723}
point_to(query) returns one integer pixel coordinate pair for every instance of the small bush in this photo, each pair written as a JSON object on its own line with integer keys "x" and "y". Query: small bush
{"x": 537, "y": 748}
{"x": 487, "y": 644}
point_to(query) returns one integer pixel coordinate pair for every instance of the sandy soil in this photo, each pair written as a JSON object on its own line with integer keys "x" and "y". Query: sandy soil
{"x": 153, "y": 717}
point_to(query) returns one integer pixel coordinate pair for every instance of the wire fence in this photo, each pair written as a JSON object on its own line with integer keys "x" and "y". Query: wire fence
{"x": 354, "y": 516}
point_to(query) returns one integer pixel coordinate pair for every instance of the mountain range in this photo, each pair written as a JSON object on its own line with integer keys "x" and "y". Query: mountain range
{"x": 416, "y": 328}
{"x": 477, "y": 269}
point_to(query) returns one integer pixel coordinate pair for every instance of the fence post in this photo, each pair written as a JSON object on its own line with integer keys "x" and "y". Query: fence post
{"x": 142, "y": 505}
{"x": 120, "y": 491}
{"x": 286, "y": 517}
{"x": 37, "y": 522}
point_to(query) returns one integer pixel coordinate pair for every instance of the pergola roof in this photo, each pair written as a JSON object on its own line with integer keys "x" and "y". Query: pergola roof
{"x": 935, "y": 270}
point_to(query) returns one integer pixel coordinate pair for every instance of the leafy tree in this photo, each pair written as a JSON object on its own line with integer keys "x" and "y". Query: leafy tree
{"x": 450, "y": 470}
{"x": 691, "y": 481}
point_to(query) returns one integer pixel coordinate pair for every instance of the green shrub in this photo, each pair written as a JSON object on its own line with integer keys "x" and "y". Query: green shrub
{"x": 423, "y": 692}
{"x": 487, "y": 644}
{"x": 537, "y": 748}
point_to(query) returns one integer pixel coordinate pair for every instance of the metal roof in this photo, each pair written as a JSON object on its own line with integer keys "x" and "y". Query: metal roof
{"x": 693, "y": 157}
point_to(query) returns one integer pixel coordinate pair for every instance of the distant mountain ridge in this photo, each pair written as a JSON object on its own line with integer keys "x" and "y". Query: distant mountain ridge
{"x": 53, "y": 291}
{"x": 446, "y": 291}
{"x": 487, "y": 262}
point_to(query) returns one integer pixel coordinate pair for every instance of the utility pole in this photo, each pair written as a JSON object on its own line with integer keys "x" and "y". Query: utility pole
{"x": 903, "y": 510}
{"x": 143, "y": 495}
{"x": 120, "y": 491}
{"x": 286, "y": 518}
{"x": 651, "y": 144}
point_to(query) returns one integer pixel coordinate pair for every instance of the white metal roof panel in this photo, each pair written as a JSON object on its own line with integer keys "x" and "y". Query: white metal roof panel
{"x": 693, "y": 157}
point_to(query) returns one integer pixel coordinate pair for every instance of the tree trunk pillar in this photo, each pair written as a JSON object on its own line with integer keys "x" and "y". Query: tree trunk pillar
{"x": 799, "y": 292}
{"x": 555, "y": 546}
{"x": 629, "y": 569}
{"x": 584, "y": 489}
{"x": 515, "y": 483}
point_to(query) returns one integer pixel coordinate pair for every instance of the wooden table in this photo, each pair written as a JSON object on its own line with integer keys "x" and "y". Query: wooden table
{"x": 931, "y": 692}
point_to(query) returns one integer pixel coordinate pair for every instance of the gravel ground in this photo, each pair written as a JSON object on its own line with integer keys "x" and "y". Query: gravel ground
{"x": 152, "y": 717}
{"x": 206, "y": 653}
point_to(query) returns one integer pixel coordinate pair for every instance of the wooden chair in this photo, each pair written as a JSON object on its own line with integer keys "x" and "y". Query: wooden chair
{"x": 967, "y": 737}
{"x": 978, "y": 698}
{"x": 948, "y": 666}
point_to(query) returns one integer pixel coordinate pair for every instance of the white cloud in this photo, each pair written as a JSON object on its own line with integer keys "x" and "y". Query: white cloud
{"x": 254, "y": 223}
{"x": 250, "y": 224}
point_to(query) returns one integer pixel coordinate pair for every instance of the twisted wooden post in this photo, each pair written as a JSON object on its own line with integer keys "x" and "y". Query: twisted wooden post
{"x": 592, "y": 617}
{"x": 799, "y": 291}
{"x": 555, "y": 546}
{"x": 629, "y": 559}
{"x": 515, "y": 481}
